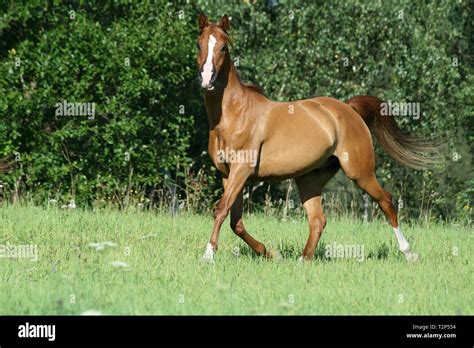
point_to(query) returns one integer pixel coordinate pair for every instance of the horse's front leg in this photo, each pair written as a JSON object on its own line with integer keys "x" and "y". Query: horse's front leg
{"x": 237, "y": 225}
{"x": 235, "y": 183}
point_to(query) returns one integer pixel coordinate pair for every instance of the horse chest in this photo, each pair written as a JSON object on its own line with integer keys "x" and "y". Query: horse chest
{"x": 217, "y": 143}
{"x": 224, "y": 141}
{"x": 230, "y": 138}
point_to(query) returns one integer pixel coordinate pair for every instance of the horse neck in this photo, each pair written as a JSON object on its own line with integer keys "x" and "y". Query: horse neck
{"x": 225, "y": 97}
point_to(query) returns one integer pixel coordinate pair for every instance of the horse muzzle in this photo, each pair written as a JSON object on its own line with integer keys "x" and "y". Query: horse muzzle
{"x": 206, "y": 82}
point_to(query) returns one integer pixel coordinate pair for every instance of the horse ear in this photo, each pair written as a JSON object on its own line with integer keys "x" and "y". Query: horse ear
{"x": 224, "y": 23}
{"x": 203, "y": 21}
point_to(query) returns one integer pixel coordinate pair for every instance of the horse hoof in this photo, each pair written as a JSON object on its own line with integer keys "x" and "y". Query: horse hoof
{"x": 273, "y": 254}
{"x": 303, "y": 259}
{"x": 209, "y": 254}
{"x": 412, "y": 257}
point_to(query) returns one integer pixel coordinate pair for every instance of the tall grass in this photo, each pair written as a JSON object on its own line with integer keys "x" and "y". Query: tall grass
{"x": 151, "y": 264}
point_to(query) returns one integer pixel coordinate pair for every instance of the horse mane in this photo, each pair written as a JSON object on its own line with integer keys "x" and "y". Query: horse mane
{"x": 250, "y": 86}
{"x": 255, "y": 88}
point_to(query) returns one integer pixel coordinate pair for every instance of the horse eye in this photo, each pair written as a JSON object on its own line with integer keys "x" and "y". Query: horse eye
{"x": 223, "y": 48}
{"x": 198, "y": 46}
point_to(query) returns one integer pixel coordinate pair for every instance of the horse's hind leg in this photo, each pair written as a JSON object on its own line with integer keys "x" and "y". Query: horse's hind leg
{"x": 370, "y": 185}
{"x": 310, "y": 187}
{"x": 359, "y": 166}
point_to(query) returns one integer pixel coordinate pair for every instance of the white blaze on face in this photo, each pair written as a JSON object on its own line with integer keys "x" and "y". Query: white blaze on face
{"x": 206, "y": 73}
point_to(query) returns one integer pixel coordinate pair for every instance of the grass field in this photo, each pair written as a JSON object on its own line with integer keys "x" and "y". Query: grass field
{"x": 159, "y": 268}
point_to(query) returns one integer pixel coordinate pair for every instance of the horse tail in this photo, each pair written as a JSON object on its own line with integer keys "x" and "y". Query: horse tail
{"x": 410, "y": 151}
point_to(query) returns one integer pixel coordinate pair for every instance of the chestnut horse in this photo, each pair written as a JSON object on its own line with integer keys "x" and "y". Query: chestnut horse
{"x": 254, "y": 138}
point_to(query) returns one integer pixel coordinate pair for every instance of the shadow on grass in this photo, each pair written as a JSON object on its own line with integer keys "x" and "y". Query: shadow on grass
{"x": 286, "y": 252}
{"x": 294, "y": 252}
{"x": 379, "y": 254}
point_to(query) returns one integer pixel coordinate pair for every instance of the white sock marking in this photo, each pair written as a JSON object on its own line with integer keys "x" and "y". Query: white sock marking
{"x": 404, "y": 245}
{"x": 209, "y": 254}
{"x": 207, "y": 69}
{"x": 402, "y": 242}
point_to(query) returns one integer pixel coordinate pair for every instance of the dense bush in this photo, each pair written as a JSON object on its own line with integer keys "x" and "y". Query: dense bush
{"x": 147, "y": 140}
{"x": 134, "y": 63}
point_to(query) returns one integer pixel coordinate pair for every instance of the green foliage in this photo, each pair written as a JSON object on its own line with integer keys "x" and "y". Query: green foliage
{"x": 131, "y": 67}
{"x": 151, "y": 111}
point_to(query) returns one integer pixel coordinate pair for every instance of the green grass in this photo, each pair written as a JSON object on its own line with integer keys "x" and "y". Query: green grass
{"x": 165, "y": 274}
